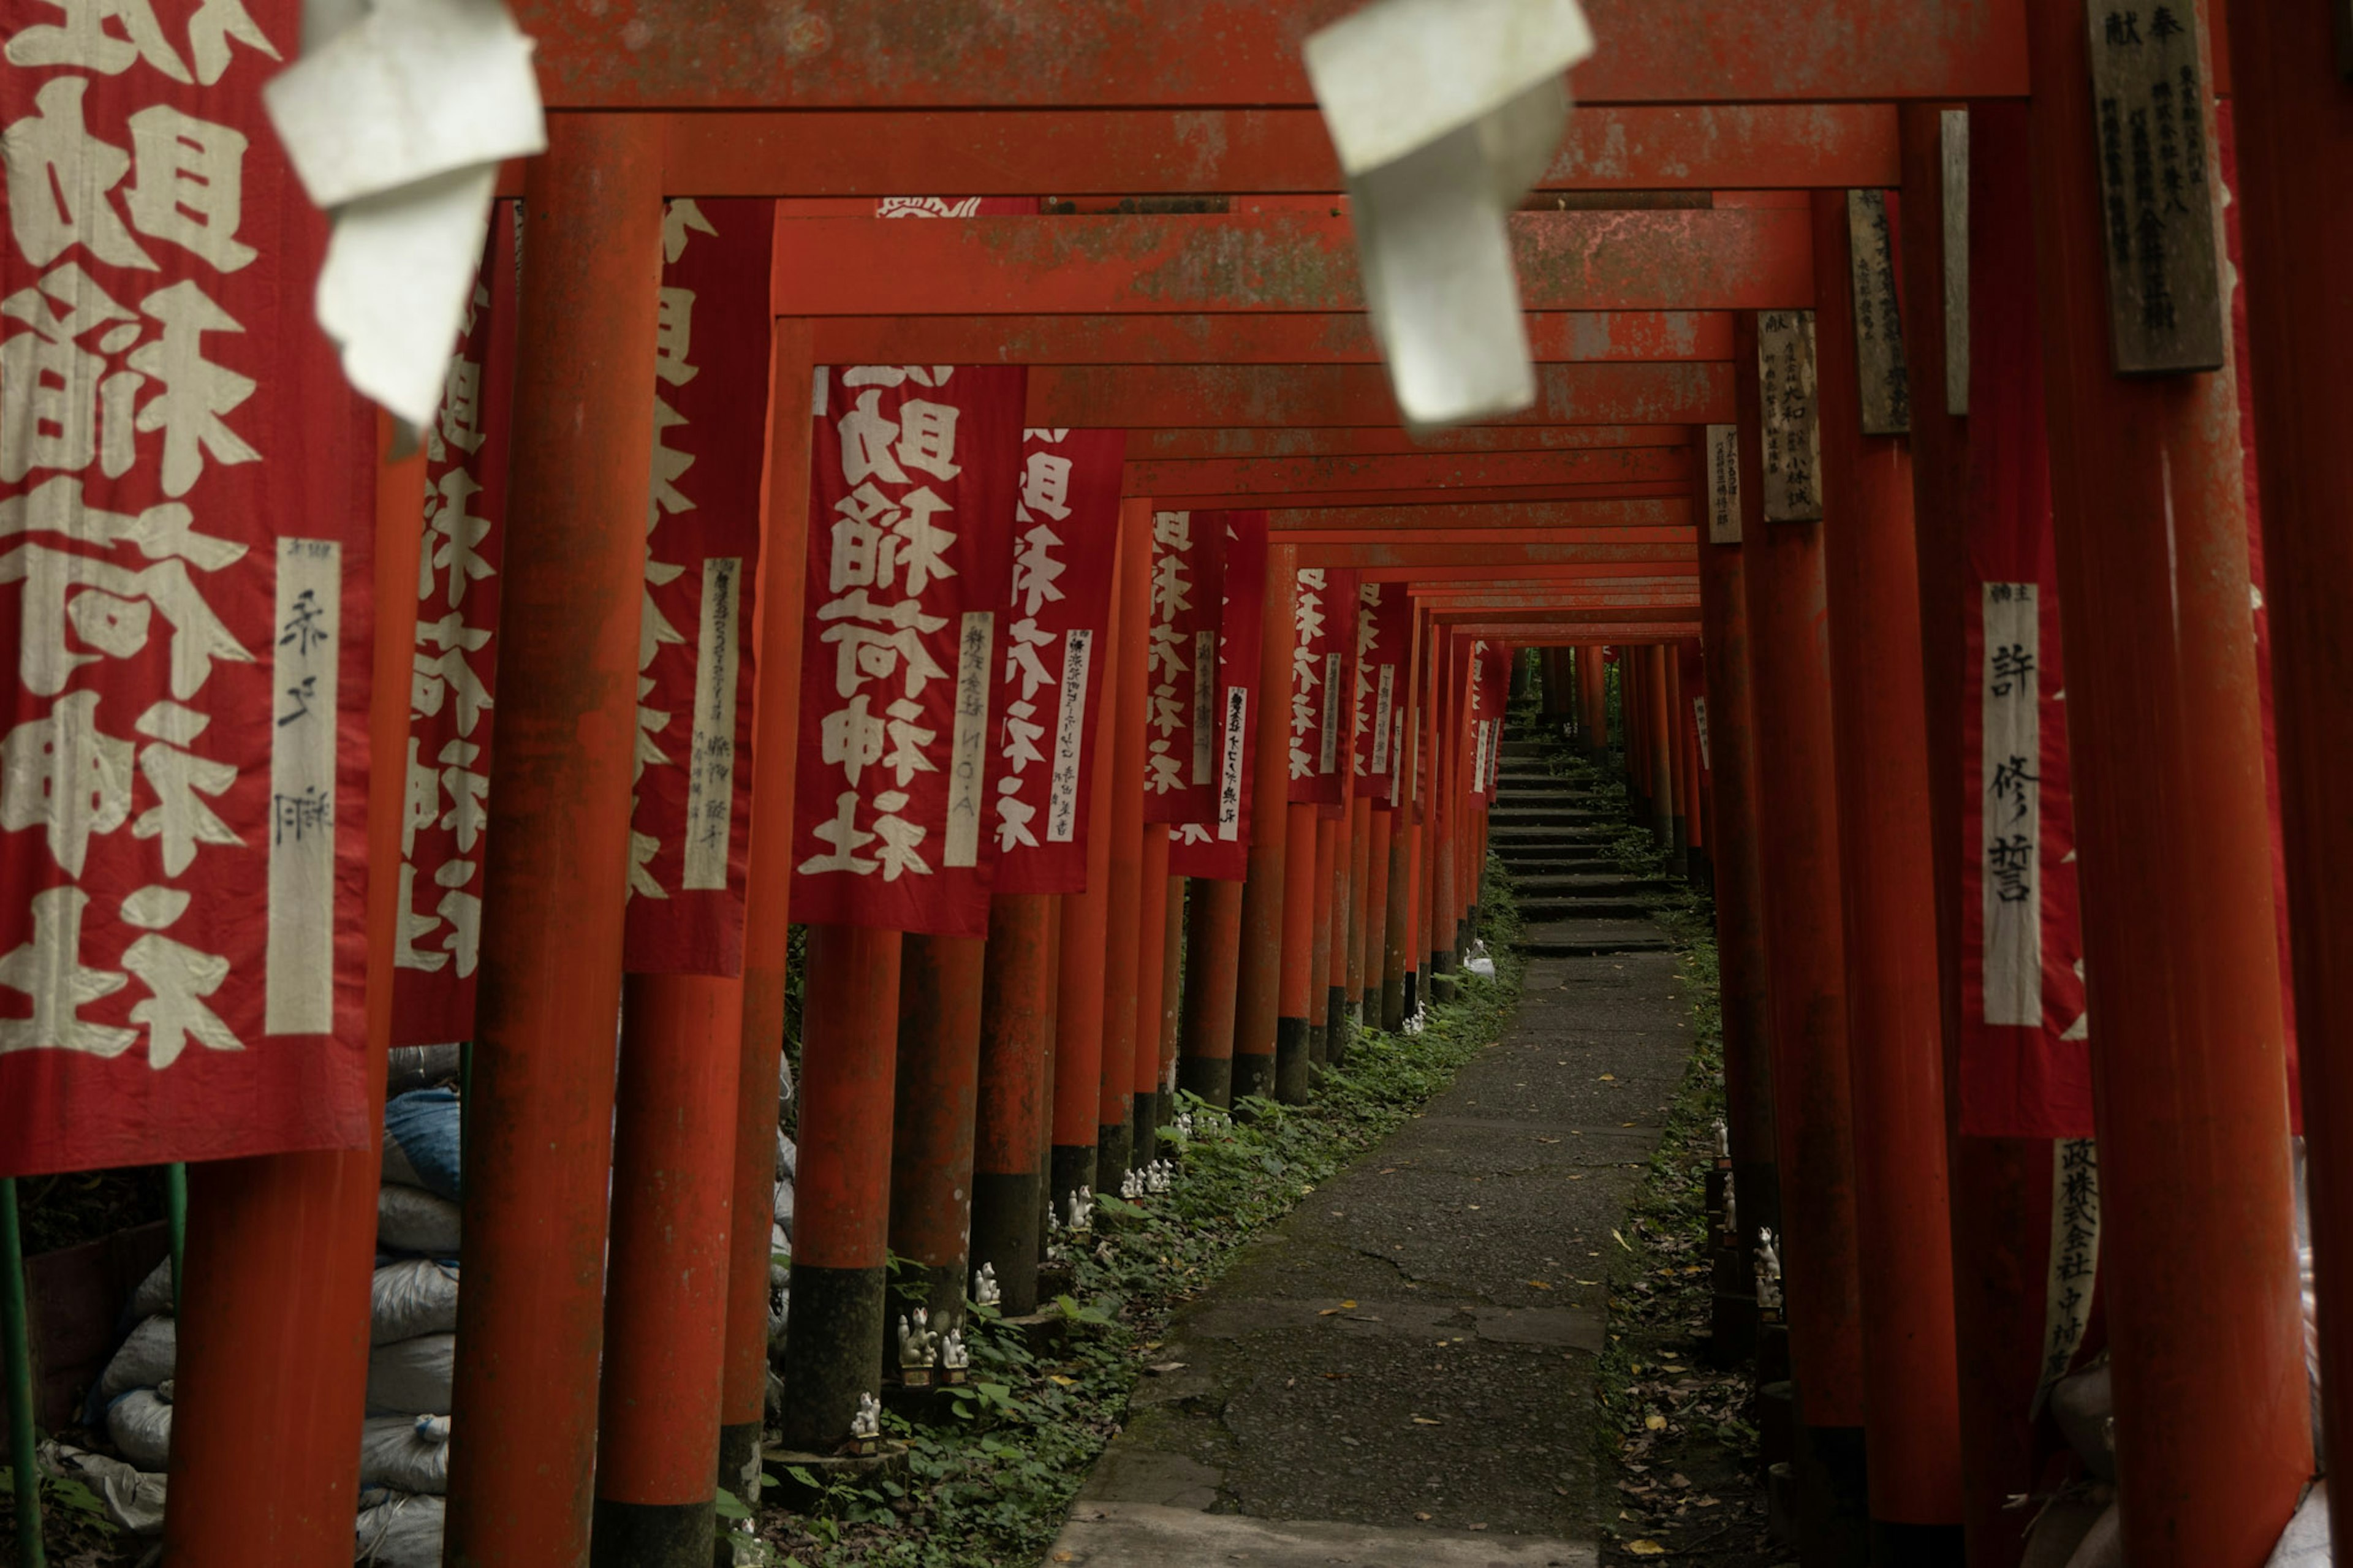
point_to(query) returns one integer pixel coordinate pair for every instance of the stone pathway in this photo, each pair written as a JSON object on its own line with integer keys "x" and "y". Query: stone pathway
{"x": 1401, "y": 1374}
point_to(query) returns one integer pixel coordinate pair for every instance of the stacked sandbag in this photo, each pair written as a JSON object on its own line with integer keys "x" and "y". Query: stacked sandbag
{"x": 413, "y": 1340}
{"x": 399, "y": 1530}
{"x": 417, "y": 1208}
{"x": 134, "y": 1393}
{"x": 780, "y": 1231}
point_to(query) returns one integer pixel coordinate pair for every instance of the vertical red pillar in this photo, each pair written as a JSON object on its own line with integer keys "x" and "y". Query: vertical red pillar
{"x": 538, "y": 1146}
{"x": 1446, "y": 827}
{"x": 1360, "y": 850}
{"x": 1790, "y": 706}
{"x": 1306, "y": 948}
{"x": 1593, "y": 682}
{"x": 937, "y": 1099}
{"x": 1080, "y": 952}
{"x": 1115, "y": 1110}
{"x": 1151, "y": 959}
{"x": 1205, "y": 1048}
{"x": 1993, "y": 1185}
{"x": 841, "y": 1218}
{"x": 2292, "y": 111}
{"x": 2180, "y": 937}
{"x": 666, "y": 1289}
{"x": 1381, "y": 835}
{"x": 1739, "y": 925}
{"x": 1328, "y": 917}
{"x": 1172, "y": 995}
{"x": 1017, "y": 1032}
{"x": 272, "y": 1369}
{"x": 1894, "y": 1026}
{"x": 782, "y": 589}
{"x": 1666, "y": 798}
{"x": 1259, "y": 996}
{"x": 1343, "y": 896}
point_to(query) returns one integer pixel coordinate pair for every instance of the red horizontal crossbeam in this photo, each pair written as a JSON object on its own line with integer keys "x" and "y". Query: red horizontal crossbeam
{"x": 1371, "y": 441}
{"x": 1279, "y": 475}
{"x": 1675, "y": 259}
{"x": 1637, "y": 573}
{"x": 1450, "y": 496}
{"x": 1138, "y": 397}
{"x": 941, "y": 54}
{"x": 1554, "y": 337}
{"x": 1566, "y": 597}
{"x": 1239, "y": 152}
{"x": 1505, "y": 519}
{"x": 1488, "y": 556}
{"x": 1557, "y": 634}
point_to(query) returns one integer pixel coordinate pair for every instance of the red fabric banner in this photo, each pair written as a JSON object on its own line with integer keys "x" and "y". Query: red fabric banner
{"x": 1383, "y": 645}
{"x": 1180, "y": 763}
{"x": 1323, "y": 614}
{"x": 1491, "y": 685}
{"x": 1066, "y": 534}
{"x": 453, "y": 681}
{"x": 690, "y": 809}
{"x": 1218, "y": 847}
{"x": 187, "y": 535}
{"x": 891, "y": 827}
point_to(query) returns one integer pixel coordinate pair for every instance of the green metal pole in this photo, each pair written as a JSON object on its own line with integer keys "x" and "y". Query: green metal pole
{"x": 16, "y": 1350}
{"x": 175, "y": 1213}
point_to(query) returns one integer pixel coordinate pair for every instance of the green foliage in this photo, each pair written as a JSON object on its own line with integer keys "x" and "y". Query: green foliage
{"x": 991, "y": 1487}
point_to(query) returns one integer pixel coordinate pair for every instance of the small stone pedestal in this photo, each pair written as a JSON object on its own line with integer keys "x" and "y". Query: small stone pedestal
{"x": 888, "y": 1463}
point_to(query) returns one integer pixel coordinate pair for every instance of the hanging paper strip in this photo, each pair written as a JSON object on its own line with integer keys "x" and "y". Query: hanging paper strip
{"x": 1056, "y": 661}
{"x": 186, "y": 537}
{"x": 453, "y": 679}
{"x": 1384, "y": 644}
{"x": 690, "y": 820}
{"x": 1324, "y": 603}
{"x": 1182, "y": 722}
{"x": 1489, "y": 687}
{"x": 2025, "y": 1062}
{"x": 916, "y": 471}
{"x": 1218, "y": 847}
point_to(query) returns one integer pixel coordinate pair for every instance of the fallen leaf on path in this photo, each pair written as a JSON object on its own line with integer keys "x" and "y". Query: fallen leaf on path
{"x": 1609, "y": 1078}
{"x": 1654, "y": 1422}
{"x": 1422, "y": 1517}
{"x": 1538, "y": 1285}
{"x": 1646, "y": 1547}
{"x": 1427, "y": 1421}
{"x": 1621, "y": 1240}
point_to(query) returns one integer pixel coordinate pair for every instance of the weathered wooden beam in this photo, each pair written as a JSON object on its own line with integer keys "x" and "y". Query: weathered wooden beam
{"x": 1743, "y": 259}
{"x": 1554, "y": 337}
{"x": 1492, "y": 556}
{"x": 1240, "y": 151}
{"x": 1636, "y": 573}
{"x": 1373, "y": 441}
{"x": 1161, "y": 396}
{"x": 1605, "y": 627}
{"x": 1439, "y": 495}
{"x": 941, "y": 54}
{"x": 1507, "y": 520}
{"x": 1683, "y": 596}
{"x": 1283, "y": 475}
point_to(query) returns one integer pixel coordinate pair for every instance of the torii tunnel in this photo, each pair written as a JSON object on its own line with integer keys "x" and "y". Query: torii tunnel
{"x": 921, "y": 499}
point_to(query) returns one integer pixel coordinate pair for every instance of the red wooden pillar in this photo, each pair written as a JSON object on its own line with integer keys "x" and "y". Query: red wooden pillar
{"x": 1017, "y": 1033}
{"x": 782, "y": 589}
{"x": 1380, "y": 835}
{"x": 2292, "y": 112}
{"x": 1399, "y": 963}
{"x": 1690, "y": 685}
{"x": 1593, "y": 682}
{"x": 272, "y": 1368}
{"x": 1261, "y": 996}
{"x": 531, "y": 1319}
{"x": 1151, "y": 974}
{"x": 2180, "y": 938}
{"x": 1659, "y": 737}
{"x": 1293, "y": 1086}
{"x": 1213, "y": 931}
{"x": 666, "y": 1289}
{"x": 1995, "y": 1185}
{"x": 1790, "y": 706}
{"x": 1895, "y": 1027}
{"x": 1115, "y": 1112}
{"x": 1741, "y": 966}
{"x": 842, "y": 1219}
{"x": 1446, "y": 827}
{"x": 1172, "y": 996}
{"x": 1361, "y": 910}
{"x": 1335, "y": 953}
{"x": 940, "y": 981}
{"x": 1079, "y": 961}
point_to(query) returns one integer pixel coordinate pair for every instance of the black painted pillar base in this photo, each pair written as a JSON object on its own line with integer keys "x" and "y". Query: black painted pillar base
{"x": 1146, "y": 1146}
{"x": 1834, "y": 1496}
{"x": 1114, "y": 1148}
{"x": 1416, "y": 988}
{"x": 739, "y": 1460}
{"x": 833, "y": 1343}
{"x": 1253, "y": 1073}
{"x": 1005, "y": 1215}
{"x": 1396, "y": 1002}
{"x": 943, "y": 1287}
{"x": 1211, "y": 1077}
{"x": 1916, "y": 1545}
{"x": 1440, "y": 976}
{"x": 1319, "y": 1046}
{"x": 1294, "y": 1054}
{"x": 1338, "y": 1031}
{"x": 652, "y": 1534}
{"x": 1073, "y": 1167}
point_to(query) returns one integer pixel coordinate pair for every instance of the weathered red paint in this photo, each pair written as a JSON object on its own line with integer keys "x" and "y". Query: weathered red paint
{"x": 941, "y": 54}
{"x": 2180, "y": 934}
{"x": 1565, "y": 337}
{"x": 1079, "y": 954}
{"x": 1347, "y": 474}
{"x": 539, "y": 1151}
{"x": 1159, "y": 396}
{"x": 1151, "y": 956}
{"x": 1260, "y": 991}
{"x": 1660, "y": 518}
{"x": 1489, "y": 554}
{"x": 1895, "y": 1046}
{"x": 1126, "y": 733}
{"x": 1160, "y": 445}
{"x": 1673, "y": 259}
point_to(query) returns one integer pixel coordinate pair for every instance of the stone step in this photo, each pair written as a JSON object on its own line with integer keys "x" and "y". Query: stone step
{"x": 1525, "y": 748}
{"x": 1544, "y": 816}
{"x": 1544, "y": 911}
{"x": 1588, "y": 885}
{"x": 1552, "y": 862}
{"x": 1591, "y": 938}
